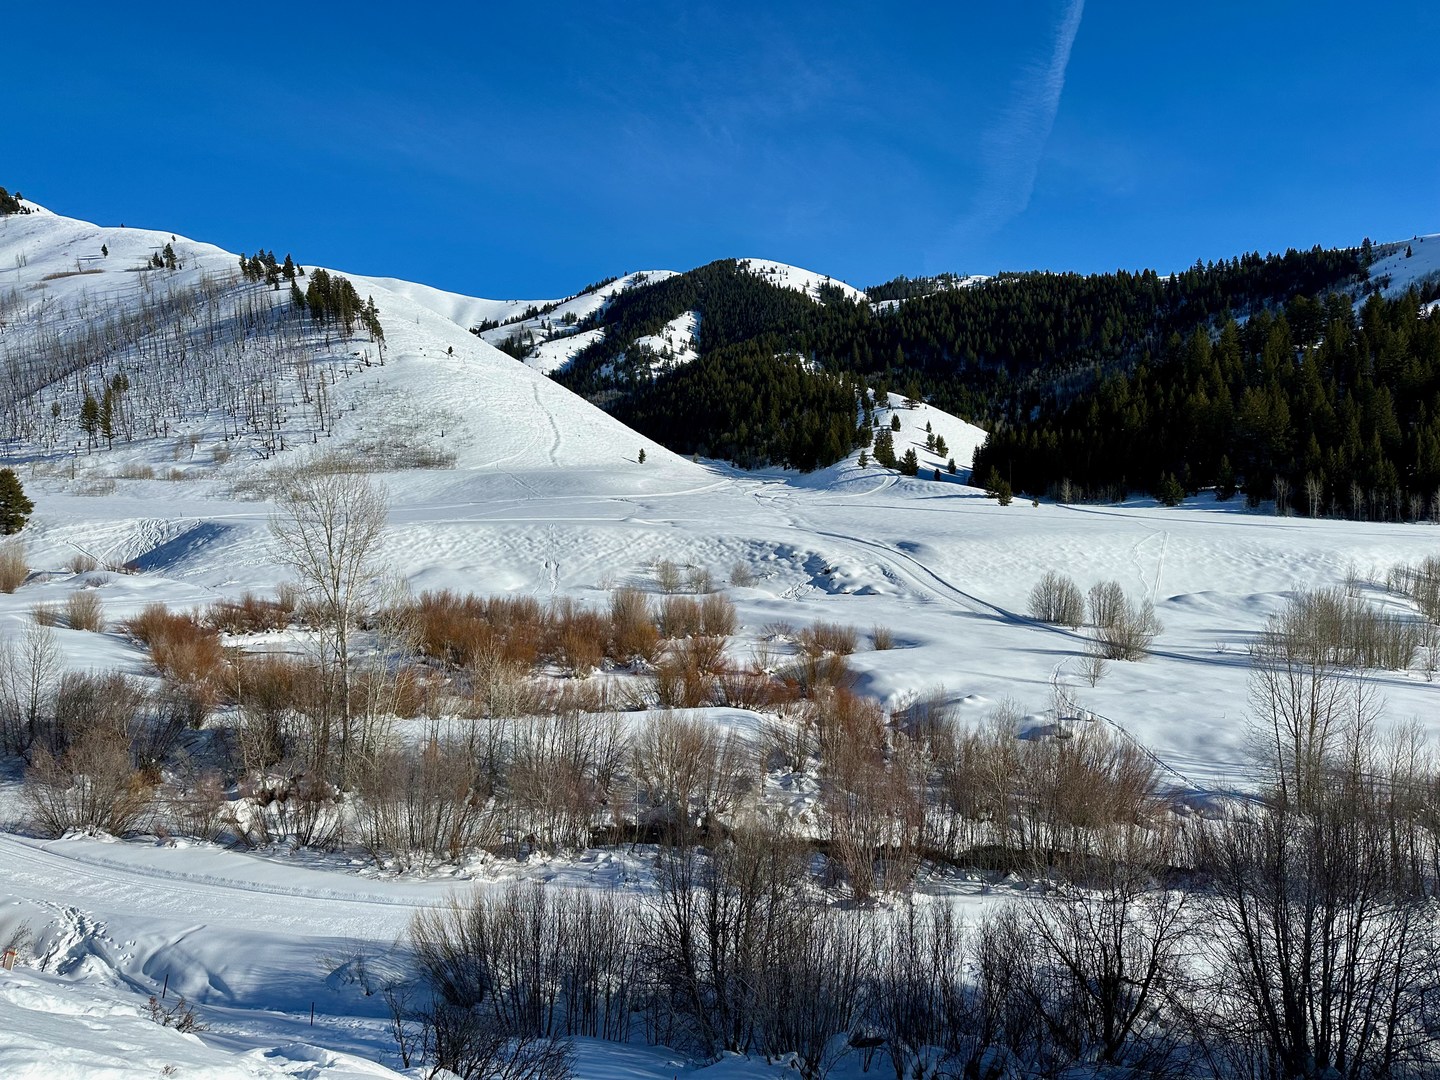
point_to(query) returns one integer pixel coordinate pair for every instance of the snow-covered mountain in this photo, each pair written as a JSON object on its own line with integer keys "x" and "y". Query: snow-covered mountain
{"x": 501, "y": 482}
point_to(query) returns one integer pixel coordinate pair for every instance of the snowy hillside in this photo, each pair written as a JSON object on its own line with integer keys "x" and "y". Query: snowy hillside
{"x": 793, "y": 277}
{"x": 501, "y": 483}
{"x": 548, "y": 327}
{"x": 1397, "y": 271}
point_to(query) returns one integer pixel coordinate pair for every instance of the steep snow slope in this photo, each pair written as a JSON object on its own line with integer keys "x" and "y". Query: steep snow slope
{"x": 793, "y": 277}
{"x": 1402, "y": 271}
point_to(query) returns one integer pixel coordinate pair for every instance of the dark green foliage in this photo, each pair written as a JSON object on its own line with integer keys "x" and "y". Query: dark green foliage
{"x": 15, "y": 506}
{"x": 90, "y": 417}
{"x": 999, "y": 352}
{"x": 909, "y": 463}
{"x": 1004, "y": 494}
{"x": 904, "y": 288}
{"x": 10, "y": 204}
{"x": 1343, "y": 414}
{"x": 746, "y": 404}
{"x": 895, "y": 422}
{"x": 1169, "y": 491}
{"x": 641, "y": 459}
{"x": 885, "y": 449}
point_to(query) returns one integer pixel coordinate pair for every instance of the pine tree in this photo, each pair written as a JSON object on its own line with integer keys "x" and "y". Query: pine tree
{"x": 895, "y": 422}
{"x": 910, "y": 464}
{"x": 885, "y": 449}
{"x": 864, "y": 460}
{"x": 90, "y": 417}
{"x": 1170, "y": 492}
{"x": 106, "y": 417}
{"x": 950, "y": 466}
{"x": 642, "y": 456}
{"x": 15, "y": 507}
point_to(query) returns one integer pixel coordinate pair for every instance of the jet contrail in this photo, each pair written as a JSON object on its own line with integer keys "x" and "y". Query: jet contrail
{"x": 1010, "y": 152}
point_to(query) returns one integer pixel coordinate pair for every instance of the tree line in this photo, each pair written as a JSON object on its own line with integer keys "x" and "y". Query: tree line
{"x": 998, "y": 352}
{"x": 1319, "y": 408}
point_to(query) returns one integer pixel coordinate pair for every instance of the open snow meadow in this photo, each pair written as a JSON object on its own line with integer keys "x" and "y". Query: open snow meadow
{"x": 498, "y": 482}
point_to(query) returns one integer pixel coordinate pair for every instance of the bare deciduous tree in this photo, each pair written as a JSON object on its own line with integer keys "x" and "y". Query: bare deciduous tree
{"x": 327, "y": 529}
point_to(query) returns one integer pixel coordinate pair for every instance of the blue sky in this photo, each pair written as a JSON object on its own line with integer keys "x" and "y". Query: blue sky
{"x": 525, "y": 150}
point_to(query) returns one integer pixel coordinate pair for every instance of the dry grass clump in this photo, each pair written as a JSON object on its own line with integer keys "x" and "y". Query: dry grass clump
{"x": 83, "y": 611}
{"x": 633, "y": 633}
{"x": 272, "y": 692}
{"x": 81, "y": 563}
{"x": 250, "y": 614}
{"x": 1056, "y": 599}
{"x": 47, "y": 615}
{"x": 680, "y": 617}
{"x": 717, "y": 616}
{"x": 827, "y": 637}
{"x": 688, "y": 677}
{"x": 136, "y": 472}
{"x": 183, "y": 648}
{"x": 882, "y": 638}
{"x": 741, "y": 575}
{"x": 580, "y": 637}
{"x": 13, "y": 570}
{"x": 813, "y": 674}
{"x": 458, "y": 630}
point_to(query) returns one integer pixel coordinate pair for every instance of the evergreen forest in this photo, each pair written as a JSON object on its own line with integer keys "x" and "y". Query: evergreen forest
{"x": 1279, "y": 377}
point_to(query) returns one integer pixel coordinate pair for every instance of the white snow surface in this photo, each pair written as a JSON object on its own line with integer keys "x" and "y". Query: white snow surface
{"x": 546, "y": 497}
{"x": 793, "y": 277}
{"x": 677, "y": 343}
{"x": 1392, "y": 264}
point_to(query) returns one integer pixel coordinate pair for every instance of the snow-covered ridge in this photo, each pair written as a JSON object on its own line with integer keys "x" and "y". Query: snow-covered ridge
{"x": 794, "y": 277}
{"x": 1398, "y": 271}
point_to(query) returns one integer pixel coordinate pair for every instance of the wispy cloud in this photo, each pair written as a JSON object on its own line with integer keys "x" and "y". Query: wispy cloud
{"x": 1010, "y": 151}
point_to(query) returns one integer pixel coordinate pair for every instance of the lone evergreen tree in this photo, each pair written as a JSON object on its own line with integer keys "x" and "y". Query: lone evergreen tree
{"x": 15, "y": 506}
{"x": 90, "y": 417}
{"x": 642, "y": 455}
{"x": 910, "y": 464}
{"x": 895, "y": 422}
{"x": 1170, "y": 492}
